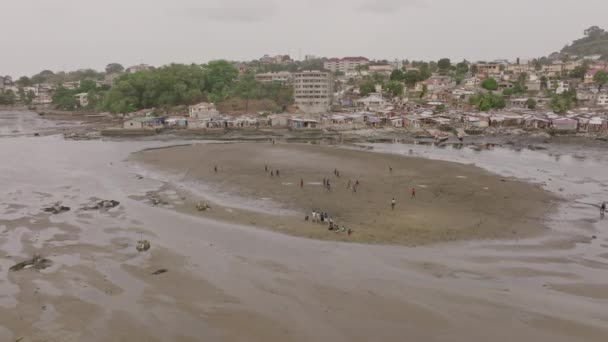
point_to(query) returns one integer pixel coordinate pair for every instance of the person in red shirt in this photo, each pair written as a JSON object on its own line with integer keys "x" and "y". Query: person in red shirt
{"x": 413, "y": 192}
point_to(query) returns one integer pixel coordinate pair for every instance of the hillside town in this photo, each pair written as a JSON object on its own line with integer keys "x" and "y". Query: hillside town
{"x": 560, "y": 93}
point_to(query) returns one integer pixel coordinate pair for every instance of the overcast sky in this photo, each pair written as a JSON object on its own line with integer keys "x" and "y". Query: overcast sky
{"x": 72, "y": 34}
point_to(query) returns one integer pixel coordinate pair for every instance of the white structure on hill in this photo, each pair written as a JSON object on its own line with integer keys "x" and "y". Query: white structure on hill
{"x": 203, "y": 110}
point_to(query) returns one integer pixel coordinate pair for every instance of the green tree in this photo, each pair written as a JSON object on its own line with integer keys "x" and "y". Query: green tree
{"x": 579, "y": 72}
{"x": 397, "y": 75}
{"x": 339, "y": 73}
{"x": 64, "y": 99}
{"x": 487, "y": 101}
{"x": 43, "y": 77}
{"x": 508, "y": 92}
{"x": 24, "y": 81}
{"x": 7, "y": 98}
{"x": 531, "y": 103}
{"x": 489, "y": 84}
{"x": 474, "y": 69}
{"x": 601, "y": 78}
{"x": 444, "y": 64}
{"x": 562, "y": 103}
{"x": 221, "y": 75}
{"x": 412, "y": 77}
{"x": 114, "y": 68}
{"x": 29, "y": 97}
{"x": 367, "y": 87}
{"x": 462, "y": 68}
{"x": 395, "y": 88}
{"x": 543, "y": 82}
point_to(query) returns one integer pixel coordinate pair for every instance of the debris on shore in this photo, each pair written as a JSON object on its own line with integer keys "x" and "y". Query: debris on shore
{"x": 202, "y": 206}
{"x": 104, "y": 204}
{"x": 160, "y": 271}
{"x": 37, "y": 263}
{"x": 56, "y": 208}
{"x": 143, "y": 245}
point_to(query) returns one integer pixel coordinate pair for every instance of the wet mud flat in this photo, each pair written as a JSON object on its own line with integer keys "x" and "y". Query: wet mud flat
{"x": 237, "y": 282}
{"x": 435, "y": 201}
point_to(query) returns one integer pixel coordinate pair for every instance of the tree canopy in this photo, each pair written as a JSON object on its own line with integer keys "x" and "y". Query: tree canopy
{"x": 444, "y": 64}
{"x": 485, "y": 102}
{"x": 395, "y": 88}
{"x": 489, "y": 84}
{"x": 179, "y": 84}
{"x": 601, "y": 78}
{"x": 595, "y": 42}
{"x": 114, "y": 68}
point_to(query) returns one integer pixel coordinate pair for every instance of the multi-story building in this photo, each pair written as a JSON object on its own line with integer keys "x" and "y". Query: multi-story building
{"x": 553, "y": 70}
{"x": 345, "y": 64}
{"x": 281, "y": 76}
{"x": 313, "y": 91}
{"x": 602, "y": 99}
{"x": 488, "y": 68}
{"x": 559, "y": 86}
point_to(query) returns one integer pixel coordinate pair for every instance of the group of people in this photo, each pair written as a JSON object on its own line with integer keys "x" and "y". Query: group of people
{"x": 272, "y": 172}
{"x": 324, "y": 218}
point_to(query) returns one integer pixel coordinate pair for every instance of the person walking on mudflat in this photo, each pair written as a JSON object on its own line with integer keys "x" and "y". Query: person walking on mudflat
{"x": 413, "y": 192}
{"x": 393, "y": 203}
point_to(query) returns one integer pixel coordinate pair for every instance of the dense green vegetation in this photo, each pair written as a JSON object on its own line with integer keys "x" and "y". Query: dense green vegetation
{"x": 595, "y": 42}
{"x": 487, "y": 101}
{"x": 562, "y": 103}
{"x": 63, "y": 98}
{"x": 179, "y": 84}
{"x": 47, "y": 76}
{"x": 7, "y": 97}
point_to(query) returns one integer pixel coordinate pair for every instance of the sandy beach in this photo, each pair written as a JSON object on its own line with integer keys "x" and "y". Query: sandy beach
{"x": 451, "y": 202}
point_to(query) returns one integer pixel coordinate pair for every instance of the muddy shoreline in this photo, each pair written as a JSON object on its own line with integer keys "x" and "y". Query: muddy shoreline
{"x": 235, "y": 282}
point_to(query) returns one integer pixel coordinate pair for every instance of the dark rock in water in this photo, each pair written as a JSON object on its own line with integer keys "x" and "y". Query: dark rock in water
{"x": 143, "y": 245}
{"x": 105, "y": 204}
{"x": 594, "y": 237}
{"x": 56, "y": 209}
{"x": 36, "y": 134}
{"x": 161, "y": 271}
{"x": 37, "y": 262}
{"x": 108, "y": 204}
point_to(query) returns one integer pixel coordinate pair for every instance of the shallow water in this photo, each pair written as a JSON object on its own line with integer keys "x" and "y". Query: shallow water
{"x": 316, "y": 290}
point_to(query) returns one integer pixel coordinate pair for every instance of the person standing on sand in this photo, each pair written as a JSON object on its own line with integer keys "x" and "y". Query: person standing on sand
{"x": 328, "y": 186}
{"x": 603, "y": 210}
{"x": 349, "y": 184}
{"x": 271, "y": 173}
{"x": 390, "y": 169}
{"x": 413, "y": 192}
{"x": 393, "y": 203}
{"x": 278, "y": 175}
{"x": 301, "y": 182}
{"x": 215, "y": 169}
{"x": 266, "y": 168}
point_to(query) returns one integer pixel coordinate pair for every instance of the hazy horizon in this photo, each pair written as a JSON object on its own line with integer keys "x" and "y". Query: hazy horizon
{"x": 70, "y": 34}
